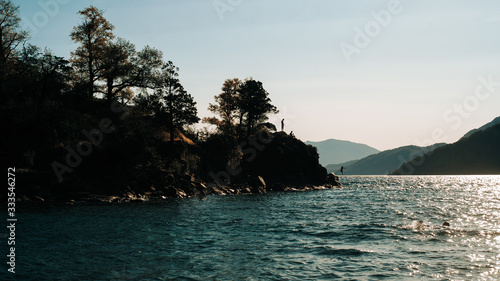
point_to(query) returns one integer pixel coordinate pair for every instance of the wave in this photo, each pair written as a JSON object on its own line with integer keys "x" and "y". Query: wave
{"x": 340, "y": 252}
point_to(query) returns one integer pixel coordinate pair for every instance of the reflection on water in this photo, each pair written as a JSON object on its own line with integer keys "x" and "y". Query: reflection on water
{"x": 374, "y": 228}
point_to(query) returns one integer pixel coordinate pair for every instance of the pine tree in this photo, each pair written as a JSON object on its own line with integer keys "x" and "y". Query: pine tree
{"x": 94, "y": 34}
{"x": 170, "y": 104}
{"x": 254, "y": 105}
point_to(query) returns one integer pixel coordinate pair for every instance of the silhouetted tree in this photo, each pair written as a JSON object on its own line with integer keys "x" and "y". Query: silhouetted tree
{"x": 94, "y": 35}
{"x": 48, "y": 79}
{"x": 11, "y": 36}
{"x": 124, "y": 69}
{"x": 254, "y": 105}
{"x": 47, "y": 74}
{"x": 226, "y": 107}
{"x": 148, "y": 64}
{"x": 117, "y": 68}
{"x": 170, "y": 104}
{"x": 242, "y": 108}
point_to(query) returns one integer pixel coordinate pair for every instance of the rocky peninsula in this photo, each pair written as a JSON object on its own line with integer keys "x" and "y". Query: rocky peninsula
{"x": 115, "y": 123}
{"x": 283, "y": 164}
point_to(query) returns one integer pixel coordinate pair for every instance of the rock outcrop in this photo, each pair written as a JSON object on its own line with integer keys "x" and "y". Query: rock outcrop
{"x": 286, "y": 160}
{"x": 283, "y": 164}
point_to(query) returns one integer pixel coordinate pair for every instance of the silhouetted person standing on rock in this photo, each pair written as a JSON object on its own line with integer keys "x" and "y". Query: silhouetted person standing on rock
{"x": 342, "y": 170}
{"x": 282, "y": 125}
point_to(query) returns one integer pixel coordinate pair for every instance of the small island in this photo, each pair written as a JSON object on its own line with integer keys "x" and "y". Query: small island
{"x": 113, "y": 123}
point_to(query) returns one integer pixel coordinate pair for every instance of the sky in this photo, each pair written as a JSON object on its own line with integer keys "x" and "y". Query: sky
{"x": 383, "y": 73}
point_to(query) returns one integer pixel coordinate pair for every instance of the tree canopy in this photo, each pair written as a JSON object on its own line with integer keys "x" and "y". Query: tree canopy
{"x": 254, "y": 104}
{"x": 170, "y": 104}
{"x": 242, "y": 107}
{"x": 11, "y": 34}
{"x": 94, "y": 35}
{"x": 11, "y": 37}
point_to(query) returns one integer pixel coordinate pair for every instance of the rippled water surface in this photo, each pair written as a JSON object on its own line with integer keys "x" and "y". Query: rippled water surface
{"x": 386, "y": 228}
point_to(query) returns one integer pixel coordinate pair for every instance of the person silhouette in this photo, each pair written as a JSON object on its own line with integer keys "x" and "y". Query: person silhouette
{"x": 282, "y": 125}
{"x": 342, "y": 170}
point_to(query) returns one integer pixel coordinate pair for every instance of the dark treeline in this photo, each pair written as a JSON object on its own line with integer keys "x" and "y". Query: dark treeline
{"x": 114, "y": 117}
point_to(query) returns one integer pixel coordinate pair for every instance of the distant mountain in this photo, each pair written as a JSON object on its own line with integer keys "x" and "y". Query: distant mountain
{"x": 495, "y": 121}
{"x": 383, "y": 163}
{"x": 478, "y": 153}
{"x": 338, "y": 151}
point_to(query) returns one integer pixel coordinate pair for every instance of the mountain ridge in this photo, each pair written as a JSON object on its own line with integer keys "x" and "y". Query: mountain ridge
{"x": 495, "y": 121}
{"x": 333, "y": 151}
{"x": 385, "y": 162}
{"x": 476, "y": 154}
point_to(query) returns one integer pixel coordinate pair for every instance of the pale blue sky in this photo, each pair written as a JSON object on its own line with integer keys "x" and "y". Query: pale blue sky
{"x": 402, "y": 87}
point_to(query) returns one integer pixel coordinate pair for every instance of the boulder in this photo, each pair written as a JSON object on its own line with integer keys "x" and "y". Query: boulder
{"x": 257, "y": 184}
{"x": 333, "y": 179}
{"x": 175, "y": 192}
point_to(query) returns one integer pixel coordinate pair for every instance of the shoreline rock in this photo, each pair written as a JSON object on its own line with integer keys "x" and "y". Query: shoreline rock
{"x": 32, "y": 187}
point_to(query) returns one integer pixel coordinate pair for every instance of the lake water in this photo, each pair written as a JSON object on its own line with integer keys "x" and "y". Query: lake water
{"x": 368, "y": 230}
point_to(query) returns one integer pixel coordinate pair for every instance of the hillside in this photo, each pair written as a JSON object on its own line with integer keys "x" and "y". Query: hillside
{"x": 495, "y": 121}
{"x": 335, "y": 168}
{"x": 338, "y": 151}
{"x": 477, "y": 154}
{"x": 384, "y": 162}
